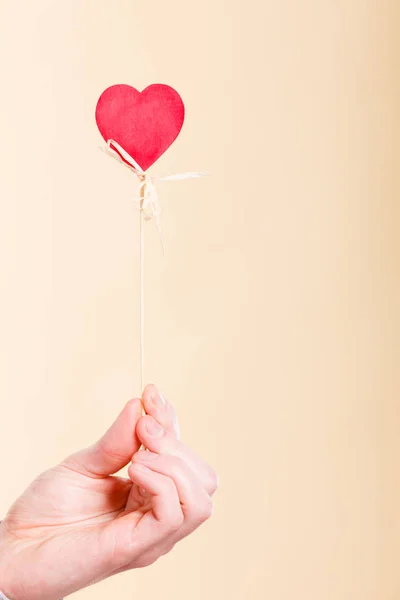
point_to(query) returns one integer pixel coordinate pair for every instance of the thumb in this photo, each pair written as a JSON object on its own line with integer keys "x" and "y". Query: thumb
{"x": 114, "y": 450}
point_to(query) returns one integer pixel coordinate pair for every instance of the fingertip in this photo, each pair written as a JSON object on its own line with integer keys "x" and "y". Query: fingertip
{"x": 137, "y": 472}
{"x": 144, "y": 422}
{"x": 141, "y": 428}
{"x": 132, "y": 412}
{"x": 149, "y": 431}
{"x": 130, "y": 417}
{"x": 134, "y": 405}
{"x": 150, "y": 392}
{"x": 155, "y": 405}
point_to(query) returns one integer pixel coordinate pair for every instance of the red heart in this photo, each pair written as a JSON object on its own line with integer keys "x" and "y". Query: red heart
{"x": 144, "y": 123}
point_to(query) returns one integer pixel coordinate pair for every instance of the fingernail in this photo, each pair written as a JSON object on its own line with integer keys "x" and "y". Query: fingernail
{"x": 154, "y": 429}
{"x": 158, "y": 399}
{"x": 145, "y": 455}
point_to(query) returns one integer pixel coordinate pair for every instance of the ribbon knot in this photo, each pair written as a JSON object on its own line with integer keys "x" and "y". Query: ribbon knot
{"x": 147, "y": 202}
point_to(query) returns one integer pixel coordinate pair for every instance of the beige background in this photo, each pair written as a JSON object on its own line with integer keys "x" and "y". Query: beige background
{"x": 273, "y": 320}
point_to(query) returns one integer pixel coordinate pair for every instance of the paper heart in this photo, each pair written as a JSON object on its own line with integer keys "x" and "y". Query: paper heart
{"x": 144, "y": 123}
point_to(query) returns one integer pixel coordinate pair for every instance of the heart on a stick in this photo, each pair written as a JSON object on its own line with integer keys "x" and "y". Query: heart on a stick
{"x": 144, "y": 124}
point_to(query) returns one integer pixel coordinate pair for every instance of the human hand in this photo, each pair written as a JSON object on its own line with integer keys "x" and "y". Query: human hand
{"x": 78, "y": 523}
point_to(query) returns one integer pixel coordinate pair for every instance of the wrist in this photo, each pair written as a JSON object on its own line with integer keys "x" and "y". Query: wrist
{"x": 11, "y": 586}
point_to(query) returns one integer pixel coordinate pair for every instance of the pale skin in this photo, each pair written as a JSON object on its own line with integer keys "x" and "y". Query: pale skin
{"x": 79, "y": 523}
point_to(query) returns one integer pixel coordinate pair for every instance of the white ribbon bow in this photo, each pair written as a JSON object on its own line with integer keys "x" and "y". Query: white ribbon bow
{"x": 147, "y": 202}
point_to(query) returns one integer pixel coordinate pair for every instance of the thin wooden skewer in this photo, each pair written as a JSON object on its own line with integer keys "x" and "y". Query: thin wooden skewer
{"x": 142, "y": 198}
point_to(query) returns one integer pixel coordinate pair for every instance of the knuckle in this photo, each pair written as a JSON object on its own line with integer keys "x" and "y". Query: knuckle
{"x": 175, "y": 520}
{"x": 213, "y": 481}
{"x": 178, "y": 464}
{"x": 176, "y": 429}
{"x": 147, "y": 559}
{"x": 174, "y": 465}
{"x": 168, "y": 487}
{"x": 204, "y": 511}
{"x": 168, "y": 549}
